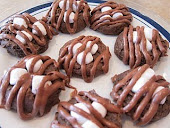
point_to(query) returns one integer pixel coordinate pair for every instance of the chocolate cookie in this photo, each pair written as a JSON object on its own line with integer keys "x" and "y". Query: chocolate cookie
{"x": 142, "y": 95}
{"x": 110, "y": 18}
{"x": 87, "y": 109}
{"x": 140, "y": 45}
{"x": 85, "y": 56}
{"x": 68, "y": 16}
{"x": 32, "y": 86}
{"x": 24, "y": 35}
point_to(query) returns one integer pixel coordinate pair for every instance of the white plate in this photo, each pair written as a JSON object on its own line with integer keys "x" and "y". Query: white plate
{"x": 101, "y": 84}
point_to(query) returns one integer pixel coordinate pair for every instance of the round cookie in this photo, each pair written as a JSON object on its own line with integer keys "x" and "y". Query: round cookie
{"x": 87, "y": 109}
{"x": 140, "y": 45}
{"x": 32, "y": 86}
{"x": 68, "y": 16}
{"x": 24, "y": 35}
{"x": 110, "y": 18}
{"x": 142, "y": 95}
{"x": 85, "y": 56}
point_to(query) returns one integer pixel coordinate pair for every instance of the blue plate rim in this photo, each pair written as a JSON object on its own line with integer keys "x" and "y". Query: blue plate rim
{"x": 162, "y": 30}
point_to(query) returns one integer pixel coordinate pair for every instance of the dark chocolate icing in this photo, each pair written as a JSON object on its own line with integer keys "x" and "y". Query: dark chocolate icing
{"x": 68, "y": 60}
{"x": 97, "y": 21}
{"x": 24, "y": 83}
{"x": 146, "y": 91}
{"x": 95, "y": 116}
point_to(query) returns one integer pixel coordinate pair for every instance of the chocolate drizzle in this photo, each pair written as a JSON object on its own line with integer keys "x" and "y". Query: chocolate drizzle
{"x": 133, "y": 54}
{"x": 97, "y": 21}
{"x": 65, "y": 107}
{"x": 68, "y": 60}
{"x": 14, "y": 29}
{"x": 144, "y": 95}
{"x": 82, "y": 7}
{"x": 25, "y": 82}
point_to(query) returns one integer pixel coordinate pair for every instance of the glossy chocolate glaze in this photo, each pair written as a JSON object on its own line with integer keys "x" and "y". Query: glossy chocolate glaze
{"x": 81, "y": 7}
{"x": 25, "y": 82}
{"x": 16, "y": 29}
{"x": 65, "y": 107}
{"x": 132, "y": 51}
{"x": 146, "y": 91}
{"x": 96, "y": 22}
{"x": 68, "y": 60}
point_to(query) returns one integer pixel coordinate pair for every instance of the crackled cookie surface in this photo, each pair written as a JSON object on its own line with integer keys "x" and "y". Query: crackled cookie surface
{"x": 110, "y": 18}
{"x": 24, "y": 35}
{"x": 85, "y": 56}
{"x": 68, "y": 16}
{"x": 87, "y": 110}
{"x": 140, "y": 45}
{"x": 142, "y": 95}
{"x": 32, "y": 86}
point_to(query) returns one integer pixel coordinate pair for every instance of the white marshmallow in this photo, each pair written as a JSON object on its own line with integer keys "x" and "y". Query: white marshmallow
{"x": 89, "y": 124}
{"x": 94, "y": 47}
{"x": 145, "y": 77}
{"x": 148, "y": 45}
{"x": 157, "y": 90}
{"x": 78, "y": 2}
{"x": 107, "y": 8}
{"x": 61, "y": 5}
{"x": 21, "y": 39}
{"x": 36, "y": 80}
{"x": 36, "y": 66}
{"x": 135, "y": 36}
{"x": 16, "y": 74}
{"x": 100, "y": 108}
{"x": 34, "y": 32}
{"x": 148, "y": 33}
{"x": 116, "y": 15}
{"x": 75, "y": 47}
{"x": 71, "y": 17}
{"x": 27, "y": 34}
{"x": 78, "y": 117}
{"x": 88, "y": 59}
{"x": 104, "y": 16}
{"x": 41, "y": 28}
{"x": 20, "y": 21}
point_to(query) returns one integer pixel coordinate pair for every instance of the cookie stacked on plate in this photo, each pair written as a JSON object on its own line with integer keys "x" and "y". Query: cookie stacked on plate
{"x": 33, "y": 85}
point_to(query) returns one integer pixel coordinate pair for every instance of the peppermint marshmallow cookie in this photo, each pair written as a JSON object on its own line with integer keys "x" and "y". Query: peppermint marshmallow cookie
{"x": 110, "y": 18}
{"x": 85, "y": 56}
{"x": 68, "y": 16}
{"x": 32, "y": 86}
{"x": 142, "y": 95}
{"x": 140, "y": 45}
{"x": 87, "y": 110}
{"x": 24, "y": 35}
